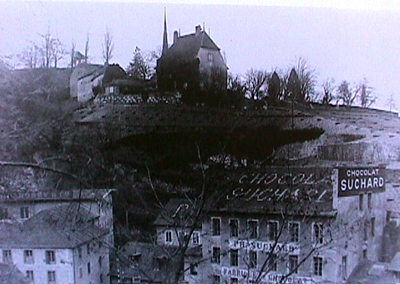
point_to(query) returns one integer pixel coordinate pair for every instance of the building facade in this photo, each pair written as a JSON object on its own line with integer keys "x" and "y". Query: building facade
{"x": 191, "y": 61}
{"x": 61, "y": 245}
{"x": 300, "y": 225}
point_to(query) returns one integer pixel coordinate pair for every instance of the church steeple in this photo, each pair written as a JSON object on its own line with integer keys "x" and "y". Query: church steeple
{"x": 165, "y": 35}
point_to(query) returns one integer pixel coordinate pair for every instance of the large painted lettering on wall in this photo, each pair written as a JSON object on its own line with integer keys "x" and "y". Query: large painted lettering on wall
{"x": 275, "y": 184}
{"x": 270, "y": 278}
{"x": 353, "y": 181}
{"x": 254, "y": 245}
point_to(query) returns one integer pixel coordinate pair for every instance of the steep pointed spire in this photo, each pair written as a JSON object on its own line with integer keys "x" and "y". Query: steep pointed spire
{"x": 165, "y": 35}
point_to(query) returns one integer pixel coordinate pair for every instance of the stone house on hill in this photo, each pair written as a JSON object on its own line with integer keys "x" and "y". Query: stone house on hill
{"x": 190, "y": 62}
{"x": 88, "y": 80}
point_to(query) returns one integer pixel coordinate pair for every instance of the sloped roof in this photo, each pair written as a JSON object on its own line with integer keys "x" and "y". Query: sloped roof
{"x": 394, "y": 264}
{"x": 65, "y": 226}
{"x": 9, "y": 274}
{"x": 368, "y": 272}
{"x": 153, "y": 262}
{"x": 187, "y": 47}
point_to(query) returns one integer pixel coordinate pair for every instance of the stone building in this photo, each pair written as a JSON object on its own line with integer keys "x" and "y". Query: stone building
{"x": 62, "y": 245}
{"x": 189, "y": 62}
{"x": 305, "y": 225}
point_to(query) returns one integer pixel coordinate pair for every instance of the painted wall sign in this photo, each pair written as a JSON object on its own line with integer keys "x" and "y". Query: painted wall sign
{"x": 275, "y": 184}
{"x": 353, "y": 181}
{"x": 270, "y": 278}
{"x": 263, "y": 246}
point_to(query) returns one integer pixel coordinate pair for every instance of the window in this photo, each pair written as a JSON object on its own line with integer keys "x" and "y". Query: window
{"x": 3, "y": 213}
{"x": 369, "y": 200}
{"x": 24, "y": 211}
{"x": 216, "y": 279}
{"x": 88, "y": 249}
{"x": 88, "y": 268}
{"x": 373, "y": 227}
{"x": 273, "y": 262}
{"x": 361, "y": 202}
{"x": 29, "y": 275}
{"x": 112, "y": 89}
{"x": 252, "y": 259}
{"x": 294, "y": 231}
{"x": 234, "y": 227}
{"x": 318, "y": 233}
{"x": 293, "y": 263}
{"x": 234, "y": 257}
{"x": 365, "y": 254}
{"x": 216, "y": 255}
{"x": 365, "y": 230}
{"x": 216, "y": 226}
{"x": 51, "y": 277}
{"x": 7, "y": 256}
{"x": 50, "y": 257}
{"x": 273, "y": 230}
{"x": 253, "y": 229}
{"x": 196, "y": 238}
{"x": 80, "y": 252}
{"x": 168, "y": 237}
{"x": 193, "y": 269}
{"x": 210, "y": 57}
{"x": 234, "y": 280}
{"x": 28, "y": 256}
{"x": 344, "y": 267}
{"x": 318, "y": 263}
{"x": 80, "y": 272}
{"x": 100, "y": 260}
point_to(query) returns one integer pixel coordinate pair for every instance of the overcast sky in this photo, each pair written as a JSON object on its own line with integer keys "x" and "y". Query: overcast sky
{"x": 343, "y": 41}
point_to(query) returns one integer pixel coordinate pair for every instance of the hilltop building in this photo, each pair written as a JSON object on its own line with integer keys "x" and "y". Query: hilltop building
{"x": 190, "y": 62}
{"x": 88, "y": 80}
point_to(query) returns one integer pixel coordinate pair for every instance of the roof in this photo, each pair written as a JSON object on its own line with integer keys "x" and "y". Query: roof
{"x": 148, "y": 261}
{"x": 65, "y": 226}
{"x": 187, "y": 47}
{"x": 394, "y": 264}
{"x": 51, "y": 195}
{"x": 368, "y": 272}
{"x": 9, "y": 274}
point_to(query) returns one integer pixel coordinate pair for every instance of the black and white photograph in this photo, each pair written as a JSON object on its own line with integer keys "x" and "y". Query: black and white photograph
{"x": 199, "y": 142}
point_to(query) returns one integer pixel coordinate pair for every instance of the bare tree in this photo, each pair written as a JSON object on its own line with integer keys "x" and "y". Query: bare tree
{"x": 307, "y": 78}
{"x": 72, "y": 54}
{"x": 57, "y": 51}
{"x": 346, "y": 93}
{"x": 87, "y": 48}
{"x": 255, "y": 81}
{"x": 328, "y": 88}
{"x": 391, "y": 103}
{"x": 108, "y": 47}
{"x": 365, "y": 94}
{"x": 30, "y": 56}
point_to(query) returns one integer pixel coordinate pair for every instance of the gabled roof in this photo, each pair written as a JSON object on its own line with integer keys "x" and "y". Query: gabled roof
{"x": 187, "y": 47}
{"x": 148, "y": 261}
{"x": 65, "y": 226}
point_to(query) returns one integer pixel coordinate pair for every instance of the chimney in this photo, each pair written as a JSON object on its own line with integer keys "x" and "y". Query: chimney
{"x": 198, "y": 30}
{"x": 175, "y": 36}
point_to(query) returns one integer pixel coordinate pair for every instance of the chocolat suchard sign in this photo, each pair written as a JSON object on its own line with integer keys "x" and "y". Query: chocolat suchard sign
{"x": 356, "y": 180}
